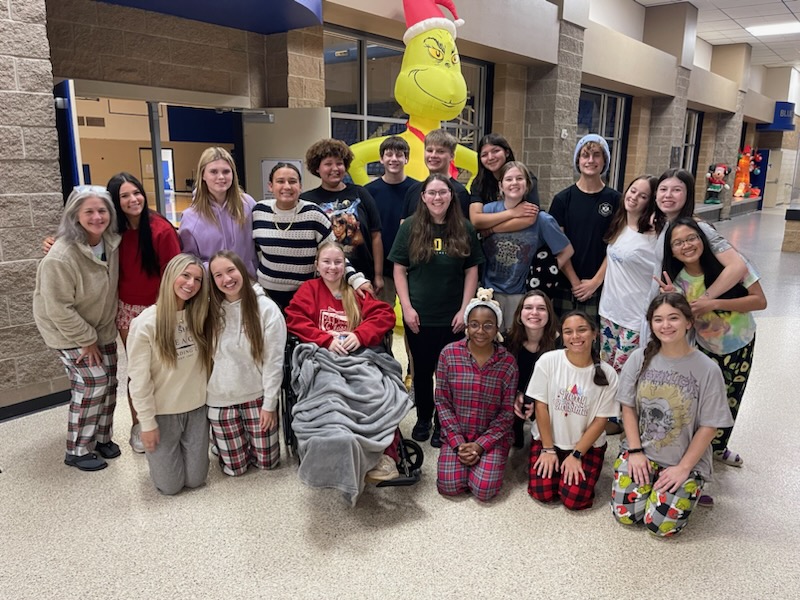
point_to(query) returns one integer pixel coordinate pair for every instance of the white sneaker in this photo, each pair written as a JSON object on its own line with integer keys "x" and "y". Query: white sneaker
{"x": 385, "y": 470}
{"x": 136, "y": 439}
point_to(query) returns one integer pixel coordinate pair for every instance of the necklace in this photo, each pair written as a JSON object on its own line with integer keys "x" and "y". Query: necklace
{"x": 289, "y": 226}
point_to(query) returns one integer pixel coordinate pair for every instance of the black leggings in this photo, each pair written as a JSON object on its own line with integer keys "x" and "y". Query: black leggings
{"x": 425, "y": 348}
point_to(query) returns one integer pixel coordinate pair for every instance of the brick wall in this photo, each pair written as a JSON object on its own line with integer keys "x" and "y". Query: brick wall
{"x": 30, "y": 197}
{"x": 296, "y": 69}
{"x": 729, "y": 133}
{"x": 636, "y": 159}
{"x": 104, "y": 42}
{"x": 552, "y": 105}
{"x": 667, "y": 119}
{"x": 508, "y": 114}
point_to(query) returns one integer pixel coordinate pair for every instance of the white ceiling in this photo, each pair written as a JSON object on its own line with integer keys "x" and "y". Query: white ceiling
{"x": 723, "y": 22}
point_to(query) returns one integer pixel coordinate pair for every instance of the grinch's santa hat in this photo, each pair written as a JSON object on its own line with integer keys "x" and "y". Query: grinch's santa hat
{"x": 424, "y": 15}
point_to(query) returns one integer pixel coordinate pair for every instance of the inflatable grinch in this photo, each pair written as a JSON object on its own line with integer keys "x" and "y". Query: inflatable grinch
{"x": 430, "y": 88}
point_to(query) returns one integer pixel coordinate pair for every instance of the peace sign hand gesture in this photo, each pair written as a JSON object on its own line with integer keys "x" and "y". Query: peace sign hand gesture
{"x": 666, "y": 285}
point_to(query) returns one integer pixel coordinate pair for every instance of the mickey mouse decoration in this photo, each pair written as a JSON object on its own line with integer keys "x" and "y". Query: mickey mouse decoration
{"x": 717, "y": 175}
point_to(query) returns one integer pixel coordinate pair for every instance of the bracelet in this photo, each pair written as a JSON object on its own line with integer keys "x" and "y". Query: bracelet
{"x": 635, "y": 450}
{"x": 549, "y": 450}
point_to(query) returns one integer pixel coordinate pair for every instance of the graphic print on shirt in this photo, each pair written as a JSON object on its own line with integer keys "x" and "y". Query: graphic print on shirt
{"x": 344, "y": 222}
{"x": 665, "y": 399}
{"x": 605, "y": 209}
{"x": 438, "y": 246}
{"x": 571, "y": 400}
{"x": 331, "y": 319}
{"x": 184, "y": 342}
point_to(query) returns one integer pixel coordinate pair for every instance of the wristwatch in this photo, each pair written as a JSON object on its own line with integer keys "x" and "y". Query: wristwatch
{"x": 577, "y": 454}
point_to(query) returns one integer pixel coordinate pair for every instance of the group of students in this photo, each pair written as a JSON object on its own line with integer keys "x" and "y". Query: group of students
{"x": 201, "y": 352}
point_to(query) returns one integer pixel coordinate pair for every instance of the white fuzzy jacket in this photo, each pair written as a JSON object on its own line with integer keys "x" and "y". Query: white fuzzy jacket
{"x": 236, "y": 379}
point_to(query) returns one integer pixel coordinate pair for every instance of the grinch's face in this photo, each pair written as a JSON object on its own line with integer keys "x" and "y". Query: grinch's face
{"x": 430, "y": 83}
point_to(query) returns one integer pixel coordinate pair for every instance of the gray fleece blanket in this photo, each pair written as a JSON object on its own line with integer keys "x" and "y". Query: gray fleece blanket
{"x": 347, "y": 412}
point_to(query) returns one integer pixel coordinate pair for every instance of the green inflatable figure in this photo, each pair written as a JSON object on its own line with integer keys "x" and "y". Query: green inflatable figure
{"x": 430, "y": 88}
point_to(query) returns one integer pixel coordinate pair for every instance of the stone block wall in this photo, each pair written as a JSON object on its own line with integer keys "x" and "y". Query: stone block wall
{"x": 30, "y": 197}
{"x": 667, "y": 120}
{"x": 552, "y": 106}
{"x": 729, "y": 133}
{"x": 508, "y": 114}
{"x": 296, "y": 69}
{"x": 104, "y": 42}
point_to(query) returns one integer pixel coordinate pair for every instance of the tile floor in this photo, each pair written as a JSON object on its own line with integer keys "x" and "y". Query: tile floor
{"x": 64, "y": 533}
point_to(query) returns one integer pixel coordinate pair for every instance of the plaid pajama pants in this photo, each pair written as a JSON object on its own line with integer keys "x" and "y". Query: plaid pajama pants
{"x": 616, "y": 343}
{"x": 577, "y": 496}
{"x": 735, "y": 369}
{"x": 663, "y": 513}
{"x": 239, "y": 438}
{"x": 94, "y": 396}
{"x": 484, "y": 479}
{"x": 564, "y": 302}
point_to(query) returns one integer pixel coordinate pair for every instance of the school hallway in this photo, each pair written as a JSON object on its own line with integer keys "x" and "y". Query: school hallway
{"x": 65, "y": 533}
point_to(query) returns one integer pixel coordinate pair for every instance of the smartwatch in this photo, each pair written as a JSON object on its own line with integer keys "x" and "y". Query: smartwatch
{"x": 577, "y": 454}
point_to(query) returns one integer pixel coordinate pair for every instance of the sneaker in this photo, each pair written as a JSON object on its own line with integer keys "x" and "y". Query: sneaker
{"x": 87, "y": 462}
{"x": 136, "y": 439}
{"x": 706, "y": 500}
{"x": 107, "y": 449}
{"x": 214, "y": 449}
{"x": 729, "y": 458}
{"x": 436, "y": 438}
{"x": 421, "y": 431}
{"x": 385, "y": 470}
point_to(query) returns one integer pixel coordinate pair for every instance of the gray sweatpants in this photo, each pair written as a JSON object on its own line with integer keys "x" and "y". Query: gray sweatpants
{"x": 181, "y": 457}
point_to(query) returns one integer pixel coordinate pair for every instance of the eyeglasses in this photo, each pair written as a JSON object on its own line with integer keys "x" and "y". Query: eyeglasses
{"x": 434, "y": 193}
{"x": 690, "y": 239}
{"x": 94, "y": 189}
{"x": 487, "y": 327}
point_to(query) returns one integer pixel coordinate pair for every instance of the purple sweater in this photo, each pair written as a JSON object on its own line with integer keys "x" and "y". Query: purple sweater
{"x": 203, "y": 238}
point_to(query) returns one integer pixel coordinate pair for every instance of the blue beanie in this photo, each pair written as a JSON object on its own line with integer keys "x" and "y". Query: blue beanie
{"x": 592, "y": 137}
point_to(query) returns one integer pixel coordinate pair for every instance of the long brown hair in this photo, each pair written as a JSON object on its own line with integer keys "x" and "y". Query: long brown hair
{"x": 420, "y": 238}
{"x": 251, "y": 315}
{"x": 195, "y": 312}
{"x": 517, "y": 334}
{"x": 620, "y": 219}
{"x": 676, "y": 301}
{"x": 599, "y": 375}
{"x": 351, "y": 309}
{"x": 202, "y": 197}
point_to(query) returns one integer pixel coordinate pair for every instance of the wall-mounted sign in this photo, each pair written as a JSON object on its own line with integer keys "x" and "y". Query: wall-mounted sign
{"x": 783, "y": 119}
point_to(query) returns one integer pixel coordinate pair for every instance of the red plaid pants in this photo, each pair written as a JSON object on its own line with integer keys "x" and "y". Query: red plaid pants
{"x": 94, "y": 396}
{"x": 240, "y": 440}
{"x": 484, "y": 479}
{"x": 576, "y": 496}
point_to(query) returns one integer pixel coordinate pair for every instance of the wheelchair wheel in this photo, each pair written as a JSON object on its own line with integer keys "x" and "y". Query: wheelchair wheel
{"x": 411, "y": 454}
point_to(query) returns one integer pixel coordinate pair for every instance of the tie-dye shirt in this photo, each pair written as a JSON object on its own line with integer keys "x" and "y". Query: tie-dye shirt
{"x": 719, "y": 332}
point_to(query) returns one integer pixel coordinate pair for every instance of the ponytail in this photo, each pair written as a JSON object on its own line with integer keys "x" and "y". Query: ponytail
{"x": 599, "y": 375}
{"x": 350, "y": 305}
{"x": 652, "y": 348}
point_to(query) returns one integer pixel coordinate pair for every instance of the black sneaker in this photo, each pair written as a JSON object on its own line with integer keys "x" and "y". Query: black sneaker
{"x": 107, "y": 449}
{"x": 436, "y": 438}
{"x": 421, "y": 431}
{"x": 87, "y": 462}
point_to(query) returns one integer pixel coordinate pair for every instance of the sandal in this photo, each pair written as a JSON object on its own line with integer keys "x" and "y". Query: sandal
{"x": 706, "y": 500}
{"x": 87, "y": 462}
{"x": 729, "y": 458}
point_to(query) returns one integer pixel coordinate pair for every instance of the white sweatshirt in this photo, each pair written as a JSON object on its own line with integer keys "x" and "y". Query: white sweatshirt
{"x": 236, "y": 379}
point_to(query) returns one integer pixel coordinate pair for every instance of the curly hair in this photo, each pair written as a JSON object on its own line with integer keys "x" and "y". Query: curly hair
{"x": 323, "y": 149}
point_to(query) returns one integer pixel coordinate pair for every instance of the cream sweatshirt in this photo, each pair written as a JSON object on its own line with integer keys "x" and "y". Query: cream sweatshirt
{"x": 236, "y": 379}
{"x": 155, "y": 389}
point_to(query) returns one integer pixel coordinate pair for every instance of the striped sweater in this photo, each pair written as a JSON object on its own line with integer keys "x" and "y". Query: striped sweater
{"x": 287, "y": 243}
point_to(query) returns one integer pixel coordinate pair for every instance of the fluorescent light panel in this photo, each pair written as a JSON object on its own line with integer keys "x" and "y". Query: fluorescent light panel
{"x": 777, "y": 29}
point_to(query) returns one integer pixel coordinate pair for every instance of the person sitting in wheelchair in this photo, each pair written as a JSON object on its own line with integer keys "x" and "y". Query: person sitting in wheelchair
{"x": 350, "y": 391}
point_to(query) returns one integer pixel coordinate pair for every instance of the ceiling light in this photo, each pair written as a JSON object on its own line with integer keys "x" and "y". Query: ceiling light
{"x": 777, "y": 29}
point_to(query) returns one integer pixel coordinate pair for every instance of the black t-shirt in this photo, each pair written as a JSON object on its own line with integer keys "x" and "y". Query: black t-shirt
{"x": 354, "y": 218}
{"x": 389, "y": 200}
{"x": 585, "y": 219}
{"x": 413, "y": 197}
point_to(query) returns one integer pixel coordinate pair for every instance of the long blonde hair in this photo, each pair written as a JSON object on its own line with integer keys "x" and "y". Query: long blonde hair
{"x": 202, "y": 197}
{"x": 196, "y": 314}
{"x": 251, "y": 316}
{"x": 351, "y": 309}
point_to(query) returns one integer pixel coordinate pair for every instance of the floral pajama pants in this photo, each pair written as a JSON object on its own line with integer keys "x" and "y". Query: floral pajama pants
{"x": 616, "y": 343}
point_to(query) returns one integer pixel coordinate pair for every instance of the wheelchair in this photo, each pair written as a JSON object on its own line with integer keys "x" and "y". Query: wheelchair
{"x": 410, "y": 452}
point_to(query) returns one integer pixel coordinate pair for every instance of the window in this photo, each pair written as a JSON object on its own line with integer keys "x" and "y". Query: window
{"x": 360, "y": 73}
{"x": 605, "y": 113}
{"x": 692, "y": 126}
